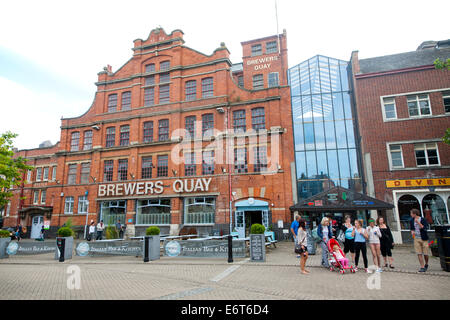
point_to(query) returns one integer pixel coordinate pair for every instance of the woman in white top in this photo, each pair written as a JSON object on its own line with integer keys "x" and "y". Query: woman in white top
{"x": 302, "y": 240}
{"x": 91, "y": 231}
{"x": 374, "y": 234}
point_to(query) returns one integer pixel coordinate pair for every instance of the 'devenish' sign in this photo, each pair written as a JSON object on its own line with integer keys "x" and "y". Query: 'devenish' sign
{"x": 152, "y": 187}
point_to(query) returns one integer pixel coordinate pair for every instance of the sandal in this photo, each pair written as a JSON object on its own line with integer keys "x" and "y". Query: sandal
{"x": 391, "y": 266}
{"x": 386, "y": 265}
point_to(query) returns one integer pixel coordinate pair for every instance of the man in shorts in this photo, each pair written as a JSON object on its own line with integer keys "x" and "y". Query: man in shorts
{"x": 294, "y": 229}
{"x": 419, "y": 233}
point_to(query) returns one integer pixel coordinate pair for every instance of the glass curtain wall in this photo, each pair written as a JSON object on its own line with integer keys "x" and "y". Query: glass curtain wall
{"x": 325, "y": 148}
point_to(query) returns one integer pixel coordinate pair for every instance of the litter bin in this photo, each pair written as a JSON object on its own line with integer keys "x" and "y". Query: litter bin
{"x": 443, "y": 238}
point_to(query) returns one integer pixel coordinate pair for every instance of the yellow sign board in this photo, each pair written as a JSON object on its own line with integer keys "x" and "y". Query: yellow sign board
{"x": 418, "y": 183}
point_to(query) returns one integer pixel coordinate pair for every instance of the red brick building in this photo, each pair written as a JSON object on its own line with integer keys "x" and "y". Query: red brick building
{"x": 403, "y": 110}
{"x": 172, "y": 140}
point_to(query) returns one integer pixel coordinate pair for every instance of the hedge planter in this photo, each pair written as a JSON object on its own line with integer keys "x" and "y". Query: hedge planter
{"x": 3, "y": 245}
{"x": 68, "y": 248}
{"x": 153, "y": 247}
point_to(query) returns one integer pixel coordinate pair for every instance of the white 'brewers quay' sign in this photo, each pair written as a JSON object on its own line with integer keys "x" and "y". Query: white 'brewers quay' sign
{"x": 152, "y": 187}
{"x": 262, "y": 63}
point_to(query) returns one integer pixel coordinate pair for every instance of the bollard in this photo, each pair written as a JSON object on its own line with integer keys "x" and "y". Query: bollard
{"x": 230, "y": 248}
{"x": 146, "y": 245}
{"x": 61, "y": 244}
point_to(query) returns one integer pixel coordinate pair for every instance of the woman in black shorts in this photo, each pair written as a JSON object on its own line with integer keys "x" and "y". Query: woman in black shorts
{"x": 386, "y": 242}
{"x": 349, "y": 242}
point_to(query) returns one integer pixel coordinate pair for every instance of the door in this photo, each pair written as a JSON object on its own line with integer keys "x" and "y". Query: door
{"x": 265, "y": 218}
{"x": 240, "y": 223}
{"x": 36, "y": 226}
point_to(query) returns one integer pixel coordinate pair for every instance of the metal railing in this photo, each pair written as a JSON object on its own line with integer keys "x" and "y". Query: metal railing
{"x": 158, "y": 218}
{"x": 199, "y": 218}
{"x": 111, "y": 218}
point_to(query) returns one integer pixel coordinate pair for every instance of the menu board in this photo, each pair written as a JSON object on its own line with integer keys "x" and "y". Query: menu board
{"x": 257, "y": 247}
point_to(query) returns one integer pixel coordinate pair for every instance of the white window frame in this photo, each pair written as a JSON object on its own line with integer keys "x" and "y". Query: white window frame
{"x": 70, "y": 206}
{"x": 29, "y": 176}
{"x": 423, "y": 146}
{"x": 36, "y": 197}
{"x": 445, "y": 94}
{"x": 383, "y": 108}
{"x": 43, "y": 196}
{"x": 83, "y": 203}
{"x": 391, "y": 165}
{"x": 45, "y": 174}
{"x": 54, "y": 173}
{"x": 8, "y": 209}
{"x": 268, "y": 79}
{"x": 38, "y": 174}
{"x": 418, "y": 100}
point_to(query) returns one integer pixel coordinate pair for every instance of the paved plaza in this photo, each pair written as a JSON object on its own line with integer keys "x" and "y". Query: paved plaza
{"x": 129, "y": 278}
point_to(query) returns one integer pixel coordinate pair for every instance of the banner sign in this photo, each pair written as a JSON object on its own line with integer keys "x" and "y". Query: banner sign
{"x": 116, "y": 248}
{"x": 418, "y": 183}
{"x": 27, "y": 248}
{"x": 203, "y": 249}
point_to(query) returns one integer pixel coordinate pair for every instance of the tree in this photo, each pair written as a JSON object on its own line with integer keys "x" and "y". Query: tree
{"x": 439, "y": 64}
{"x": 446, "y": 137}
{"x": 12, "y": 169}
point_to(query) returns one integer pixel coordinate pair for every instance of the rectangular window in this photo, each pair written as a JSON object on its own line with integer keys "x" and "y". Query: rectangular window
{"x": 258, "y": 119}
{"x": 46, "y": 169}
{"x": 148, "y": 131}
{"x": 163, "y": 166}
{"x": 273, "y": 79}
{"x": 396, "y": 156}
{"x": 149, "y": 96}
{"x": 150, "y": 67}
{"x": 240, "y": 81}
{"x": 43, "y": 196}
{"x": 418, "y": 105}
{"x": 260, "y": 159}
{"x": 256, "y": 50}
{"x": 126, "y": 100}
{"x": 83, "y": 204}
{"x": 163, "y": 130}
{"x": 208, "y": 125}
{"x": 207, "y": 87}
{"x": 150, "y": 80}
{"x": 38, "y": 174}
{"x": 199, "y": 210}
{"x": 122, "y": 172}
{"x": 110, "y": 136}
{"x": 36, "y": 197}
{"x": 164, "y": 65}
{"x": 87, "y": 144}
{"x": 164, "y": 77}
{"x": 190, "y": 127}
{"x": 72, "y": 174}
{"x": 164, "y": 94}
{"x": 108, "y": 170}
{"x": 54, "y": 174}
{"x": 446, "y": 100}
{"x": 125, "y": 135}
{"x": 239, "y": 121}
{"x": 240, "y": 160}
{"x": 426, "y": 154}
{"x": 271, "y": 47}
{"x": 147, "y": 167}
{"x": 258, "y": 81}
{"x": 112, "y": 102}
{"x": 189, "y": 164}
{"x": 208, "y": 162}
{"x": 75, "y": 141}
{"x": 68, "y": 206}
{"x": 85, "y": 172}
{"x": 191, "y": 90}
{"x": 29, "y": 172}
{"x": 390, "y": 111}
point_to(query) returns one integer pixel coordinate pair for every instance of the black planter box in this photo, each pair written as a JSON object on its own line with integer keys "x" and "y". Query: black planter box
{"x": 443, "y": 238}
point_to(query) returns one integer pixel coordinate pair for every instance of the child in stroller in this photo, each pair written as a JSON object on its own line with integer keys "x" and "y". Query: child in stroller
{"x": 338, "y": 261}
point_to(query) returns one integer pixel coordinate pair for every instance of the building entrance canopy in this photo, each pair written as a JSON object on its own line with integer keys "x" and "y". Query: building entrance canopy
{"x": 339, "y": 199}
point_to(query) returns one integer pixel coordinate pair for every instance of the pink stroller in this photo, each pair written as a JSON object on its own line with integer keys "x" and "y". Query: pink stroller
{"x": 334, "y": 263}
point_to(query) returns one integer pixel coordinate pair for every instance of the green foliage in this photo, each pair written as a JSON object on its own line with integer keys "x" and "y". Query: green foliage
{"x": 446, "y": 137}
{"x": 111, "y": 232}
{"x": 257, "y": 228}
{"x": 65, "y": 232}
{"x": 12, "y": 169}
{"x": 439, "y": 64}
{"x": 433, "y": 244}
{"x": 152, "y": 231}
{"x": 4, "y": 234}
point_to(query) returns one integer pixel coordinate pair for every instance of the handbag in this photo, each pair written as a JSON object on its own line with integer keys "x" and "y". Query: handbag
{"x": 298, "y": 248}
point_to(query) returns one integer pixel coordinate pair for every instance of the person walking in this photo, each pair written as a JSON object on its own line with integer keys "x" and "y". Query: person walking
{"x": 386, "y": 243}
{"x": 42, "y": 233}
{"x": 419, "y": 233}
{"x": 91, "y": 234}
{"x": 119, "y": 229}
{"x": 302, "y": 240}
{"x": 17, "y": 233}
{"x": 100, "y": 227}
{"x": 349, "y": 241}
{"x": 361, "y": 236}
{"x": 294, "y": 229}
{"x": 374, "y": 234}
{"x": 325, "y": 233}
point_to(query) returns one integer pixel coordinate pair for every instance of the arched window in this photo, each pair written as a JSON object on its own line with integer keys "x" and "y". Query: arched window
{"x": 406, "y": 203}
{"x": 153, "y": 212}
{"x": 434, "y": 210}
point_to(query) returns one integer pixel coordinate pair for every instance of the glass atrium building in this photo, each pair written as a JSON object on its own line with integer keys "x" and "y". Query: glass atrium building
{"x": 324, "y": 135}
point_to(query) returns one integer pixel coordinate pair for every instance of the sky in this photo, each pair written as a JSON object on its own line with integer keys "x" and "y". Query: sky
{"x": 51, "y": 51}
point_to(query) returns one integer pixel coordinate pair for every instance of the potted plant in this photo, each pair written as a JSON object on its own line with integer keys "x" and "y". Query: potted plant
{"x": 111, "y": 232}
{"x": 257, "y": 243}
{"x": 434, "y": 248}
{"x": 67, "y": 234}
{"x": 152, "y": 234}
{"x": 5, "y": 239}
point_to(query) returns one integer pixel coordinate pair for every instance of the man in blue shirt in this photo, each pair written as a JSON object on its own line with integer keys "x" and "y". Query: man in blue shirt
{"x": 294, "y": 227}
